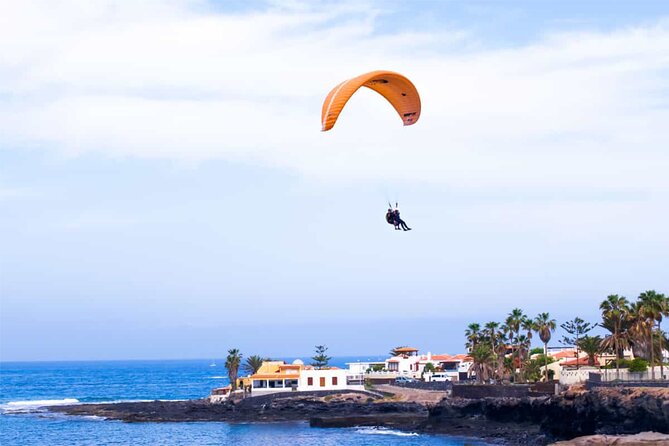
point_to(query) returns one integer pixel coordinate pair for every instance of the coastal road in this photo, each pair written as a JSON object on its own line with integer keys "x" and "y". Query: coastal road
{"x": 427, "y": 397}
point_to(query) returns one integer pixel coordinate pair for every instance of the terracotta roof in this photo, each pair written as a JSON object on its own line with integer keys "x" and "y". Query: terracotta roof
{"x": 563, "y": 354}
{"x": 405, "y": 349}
{"x": 581, "y": 361}
{"x": 393, "y": 360}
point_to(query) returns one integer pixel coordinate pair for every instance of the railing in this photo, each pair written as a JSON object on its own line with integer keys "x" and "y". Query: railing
{"x": 568, "y": 377}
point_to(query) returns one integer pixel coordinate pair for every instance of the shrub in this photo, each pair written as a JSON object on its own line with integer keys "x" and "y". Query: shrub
{"x": 536, "y": 351}
{"x": 638, "y": 365}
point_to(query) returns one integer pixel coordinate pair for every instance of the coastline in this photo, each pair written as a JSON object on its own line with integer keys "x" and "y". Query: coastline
{"x": 512, "y": 421}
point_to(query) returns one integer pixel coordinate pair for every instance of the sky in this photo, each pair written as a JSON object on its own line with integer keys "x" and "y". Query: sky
{"x": 166, "y": 191}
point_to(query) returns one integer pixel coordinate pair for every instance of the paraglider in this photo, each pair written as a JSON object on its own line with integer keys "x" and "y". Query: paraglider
{"x": 397, "y": 89}
{"x": 393, "y": 218}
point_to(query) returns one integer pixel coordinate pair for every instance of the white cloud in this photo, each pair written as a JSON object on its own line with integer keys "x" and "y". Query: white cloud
{"x": 179, "y": 80}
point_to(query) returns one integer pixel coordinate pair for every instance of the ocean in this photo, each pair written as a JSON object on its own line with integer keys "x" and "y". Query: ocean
{"x": 24, "y": 386}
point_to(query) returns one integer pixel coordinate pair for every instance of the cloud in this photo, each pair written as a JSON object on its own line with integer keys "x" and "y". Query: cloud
{"x": 184, "y": 81}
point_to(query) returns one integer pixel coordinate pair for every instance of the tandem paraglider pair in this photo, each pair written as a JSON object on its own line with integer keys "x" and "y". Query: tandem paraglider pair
{"x": 393, "y": 218}
{"x": 397, "y": 89}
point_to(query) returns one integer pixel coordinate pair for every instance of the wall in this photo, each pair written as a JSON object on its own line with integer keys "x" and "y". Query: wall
{"x": 475, "y": 391}
{"x": 569, "y": 377}
{"x": 316, "y": 375}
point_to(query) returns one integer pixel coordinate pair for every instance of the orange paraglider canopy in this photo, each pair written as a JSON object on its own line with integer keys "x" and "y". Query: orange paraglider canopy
{"x": 397, "y": 89}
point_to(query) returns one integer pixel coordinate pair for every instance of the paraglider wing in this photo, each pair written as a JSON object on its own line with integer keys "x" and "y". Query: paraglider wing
{"x": 397, "y": 89}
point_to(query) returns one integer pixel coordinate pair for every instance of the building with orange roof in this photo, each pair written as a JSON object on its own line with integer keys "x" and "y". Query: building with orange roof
{"x": 277, "y": 376}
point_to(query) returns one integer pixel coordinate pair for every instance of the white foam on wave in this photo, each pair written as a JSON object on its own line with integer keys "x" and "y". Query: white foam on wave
{"x": 218, "y": 377}
{"x": 384, "y": 431}
{"x": 33, "y": 405}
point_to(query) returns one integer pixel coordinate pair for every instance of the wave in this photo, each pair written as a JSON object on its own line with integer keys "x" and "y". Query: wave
{"x": 34, "y": 405}
{"x": 218, "y": 377}
{"x": 384, "y": 431}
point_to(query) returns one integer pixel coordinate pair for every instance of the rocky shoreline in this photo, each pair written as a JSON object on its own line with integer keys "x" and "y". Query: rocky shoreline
{"x": 513, "y": 421}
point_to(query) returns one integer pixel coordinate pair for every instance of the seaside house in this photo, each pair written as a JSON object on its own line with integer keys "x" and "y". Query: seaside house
{"x": 277, "y": 376}
{"x": 456, "y": 367}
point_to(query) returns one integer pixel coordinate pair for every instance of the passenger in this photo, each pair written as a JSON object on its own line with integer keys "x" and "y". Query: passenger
{"x": 390, "y": 218}
{"x": 398, "y": 221}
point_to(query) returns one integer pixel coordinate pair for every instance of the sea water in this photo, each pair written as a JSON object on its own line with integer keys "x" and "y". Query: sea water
{"x": 26, "y": 387}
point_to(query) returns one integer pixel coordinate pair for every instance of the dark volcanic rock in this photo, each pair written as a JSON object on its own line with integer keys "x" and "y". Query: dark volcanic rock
{"x": 270, "y": 408}
{"x": 604, "y": 411}
{"x": 516, "y": 421}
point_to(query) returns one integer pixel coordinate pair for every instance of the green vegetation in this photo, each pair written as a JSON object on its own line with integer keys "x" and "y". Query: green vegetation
{"x": 253, "y": 363}
{"x": 575, "y": 329}
{"x": 376, "y": 368}
{"x": 321, "y": 359}
{"x": 232, "y": 363}
{"x": 638, "y": 365}
{"x": 591, "y": 345}
{"x": 502, "y": 351}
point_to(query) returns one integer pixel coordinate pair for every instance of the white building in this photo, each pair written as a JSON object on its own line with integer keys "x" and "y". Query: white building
{"x": 276, "y": 376}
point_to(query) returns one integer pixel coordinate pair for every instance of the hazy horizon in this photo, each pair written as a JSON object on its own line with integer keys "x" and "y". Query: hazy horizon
{"x": 165, "y": 189}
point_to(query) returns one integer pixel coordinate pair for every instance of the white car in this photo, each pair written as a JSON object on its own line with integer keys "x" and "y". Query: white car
{"x": 440, "y": 377}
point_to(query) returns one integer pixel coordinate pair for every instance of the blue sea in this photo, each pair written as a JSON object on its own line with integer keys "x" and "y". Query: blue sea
{"x": 28, "y": 385}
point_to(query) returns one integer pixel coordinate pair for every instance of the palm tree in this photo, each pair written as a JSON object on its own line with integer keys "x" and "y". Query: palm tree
{"x": 591, "y": 345}
{"x": 524, "y": 344}
{"x": 473, "y": 335}
{"x": 526, "y": 324}
{"x": 638, "y": 330}
{"x": 481, "y": 356}
{"x": 615, "y": 313}
{"x": 492, "y": 333}
{"x": 544, "y": 326}
{"x": 253, "y": 364}
{"x": 514, "y": 321}
{"x": 652, "y": 306}
{"x": 664, "y": 311}
{"x": 232, "y": 364}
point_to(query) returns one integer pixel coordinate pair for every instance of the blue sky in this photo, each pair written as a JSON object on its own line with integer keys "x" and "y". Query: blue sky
{"x": 166, "y": 192}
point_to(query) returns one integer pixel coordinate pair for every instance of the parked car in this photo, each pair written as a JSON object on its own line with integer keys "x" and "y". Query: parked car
{"x": 404, "y": 379}
{"x": 440, "y": 377}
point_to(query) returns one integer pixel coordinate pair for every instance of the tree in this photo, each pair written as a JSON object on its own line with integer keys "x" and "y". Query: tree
{"x": 544, "y": 326}
{"x": 473, "y": 335}
{"x": 639, "y": 330}
{"x": 232, "y": 364}
{"x": 523, "y": 343}
{"x": 513, "y": 322}
{"x": 481, "y": 358}
{"x": 653, "y": 306}
{"x": 253, "y": 364}
{"x": 576, "y": 329}
{"x": 429, "y": 368}
{"x": 493, "y": 336}
{"x": 321, "y": 359}
{"x": 615, "y": 315}
{"x": 591, "y": 345}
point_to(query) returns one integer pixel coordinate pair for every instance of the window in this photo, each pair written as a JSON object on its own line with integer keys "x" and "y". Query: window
{"x": 310, "y": 381}
{"x": 334, "y": 380}
{"x": 259, "y": 384}
{"x": 322, "y": 382}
